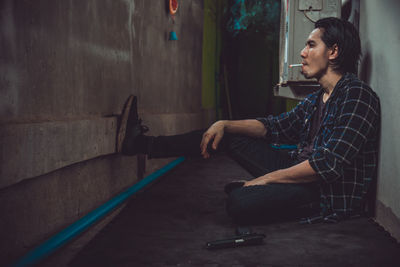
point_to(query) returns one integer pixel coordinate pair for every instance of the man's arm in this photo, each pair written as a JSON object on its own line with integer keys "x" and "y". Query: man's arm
{"x": 253, "y": 128}
{"x": 300, "y": 173}
{"x": 283, "y": 128}
{"x": 216, "y": 131}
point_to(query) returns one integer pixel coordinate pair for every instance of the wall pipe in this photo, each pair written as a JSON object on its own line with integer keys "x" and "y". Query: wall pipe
{"x": 63, "y": 237}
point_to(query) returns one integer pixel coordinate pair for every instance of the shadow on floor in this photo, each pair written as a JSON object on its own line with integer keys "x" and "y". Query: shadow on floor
{"x": 169, "y": 224}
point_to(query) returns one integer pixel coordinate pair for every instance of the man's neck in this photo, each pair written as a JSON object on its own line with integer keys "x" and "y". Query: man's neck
{"x": 329, "y": 81}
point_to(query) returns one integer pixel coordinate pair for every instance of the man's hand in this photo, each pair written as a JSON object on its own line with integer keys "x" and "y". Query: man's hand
{"x": 262, "y": 180}
{"x": 253, "y": 128}
{"x": 215, "y": 132}
{"x": 300, "y": 173}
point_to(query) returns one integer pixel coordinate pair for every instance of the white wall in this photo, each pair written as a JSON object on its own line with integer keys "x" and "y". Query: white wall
{"x": 380, "y": 38}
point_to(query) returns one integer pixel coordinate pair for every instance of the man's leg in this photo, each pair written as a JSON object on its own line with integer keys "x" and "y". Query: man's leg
{"x": 259, "y": 204}
{"x": 246, "y": 204}
{"x": 187, "y": 144}
{"x": 267, "y": 203}
{"x": 131, "y": 139}
{"x": 253, "y": 204}
{"x": 256, "y": 154}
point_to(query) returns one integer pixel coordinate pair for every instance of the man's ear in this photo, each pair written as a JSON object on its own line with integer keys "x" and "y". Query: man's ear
{"x": 333, "y": 52}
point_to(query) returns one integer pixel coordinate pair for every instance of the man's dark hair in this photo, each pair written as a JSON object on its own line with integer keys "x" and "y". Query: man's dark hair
{"x": 346, "y": 37}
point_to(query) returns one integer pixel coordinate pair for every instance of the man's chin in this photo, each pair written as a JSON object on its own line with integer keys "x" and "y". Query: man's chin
{"x": 306, "y": 75}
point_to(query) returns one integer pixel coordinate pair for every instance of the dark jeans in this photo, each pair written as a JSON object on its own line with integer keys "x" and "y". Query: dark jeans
{"x": 253, "y": 204}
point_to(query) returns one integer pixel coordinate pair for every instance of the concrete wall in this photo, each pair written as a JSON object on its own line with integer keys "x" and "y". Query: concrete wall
{"x": 380, "y": 37}
{"x": 66, "y": 69}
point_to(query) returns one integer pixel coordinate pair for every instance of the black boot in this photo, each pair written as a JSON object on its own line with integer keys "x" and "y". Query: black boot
{"x": 130, "y": 133}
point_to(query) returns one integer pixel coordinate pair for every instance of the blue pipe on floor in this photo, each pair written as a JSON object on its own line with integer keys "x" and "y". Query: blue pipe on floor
{"x": 60, "y": 239}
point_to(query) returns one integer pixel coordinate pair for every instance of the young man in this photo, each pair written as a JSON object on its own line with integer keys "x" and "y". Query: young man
{"x": 336, "y": 131}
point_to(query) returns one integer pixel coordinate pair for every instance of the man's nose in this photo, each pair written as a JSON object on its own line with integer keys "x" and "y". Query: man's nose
{"x": 303, "y": 52}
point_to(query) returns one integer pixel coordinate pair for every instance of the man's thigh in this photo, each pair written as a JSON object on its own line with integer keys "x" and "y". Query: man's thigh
{"x": 273, "y": 201}
{"x": 256, "y": 155}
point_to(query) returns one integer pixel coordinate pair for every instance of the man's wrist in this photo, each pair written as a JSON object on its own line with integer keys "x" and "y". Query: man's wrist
{"x": 274, "y": 177}
{"x": 224, "y": 123}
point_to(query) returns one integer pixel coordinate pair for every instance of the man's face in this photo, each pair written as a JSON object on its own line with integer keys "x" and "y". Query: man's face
{"x": 315, "y": 56}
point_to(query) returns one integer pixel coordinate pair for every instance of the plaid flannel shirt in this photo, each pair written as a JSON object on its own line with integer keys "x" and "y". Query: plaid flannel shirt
{"x": 345, "y": 148}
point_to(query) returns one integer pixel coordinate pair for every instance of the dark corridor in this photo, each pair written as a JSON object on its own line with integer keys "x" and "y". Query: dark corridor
{"x": 169, "y": 224}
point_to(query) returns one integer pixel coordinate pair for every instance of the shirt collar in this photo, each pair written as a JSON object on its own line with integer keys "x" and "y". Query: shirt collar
{"x": 340, "y": 84}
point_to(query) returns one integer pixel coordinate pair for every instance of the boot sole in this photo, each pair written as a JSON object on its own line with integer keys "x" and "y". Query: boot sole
{"x": 124, "y": 121}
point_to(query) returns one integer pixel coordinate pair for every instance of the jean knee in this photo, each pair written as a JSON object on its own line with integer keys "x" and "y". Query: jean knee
{"x": 236, "y": 206}
{"x": 232, "y": 206}
{"x": 237, "y": 142}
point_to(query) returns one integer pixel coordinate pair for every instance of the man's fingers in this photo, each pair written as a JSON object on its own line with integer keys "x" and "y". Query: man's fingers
{"x": 258, "y": 181}
{"x": 204, "y": 143}
{"x": 217, "y": 139}
{"x": 247, "y": 184}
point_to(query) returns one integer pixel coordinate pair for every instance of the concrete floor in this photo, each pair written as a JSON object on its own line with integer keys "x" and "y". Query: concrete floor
{"x": 170, "y": 222}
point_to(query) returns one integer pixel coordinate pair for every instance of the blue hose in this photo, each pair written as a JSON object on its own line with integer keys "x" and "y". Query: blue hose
{"x": 60, "y": 239}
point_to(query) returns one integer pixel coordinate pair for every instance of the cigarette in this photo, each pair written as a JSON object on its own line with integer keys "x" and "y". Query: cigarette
{"x": 295, "y": 65}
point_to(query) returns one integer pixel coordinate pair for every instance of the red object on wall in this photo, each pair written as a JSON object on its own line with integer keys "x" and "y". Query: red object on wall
{"x": 173, "y": 6}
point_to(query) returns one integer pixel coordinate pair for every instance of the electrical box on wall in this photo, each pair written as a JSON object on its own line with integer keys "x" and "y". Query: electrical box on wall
{"x": 297, "y": 21}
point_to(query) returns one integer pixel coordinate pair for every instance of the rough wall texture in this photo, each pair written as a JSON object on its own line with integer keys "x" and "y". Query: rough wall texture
{"x": 66, "y": 69}
{"x": 380, "y": 37}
